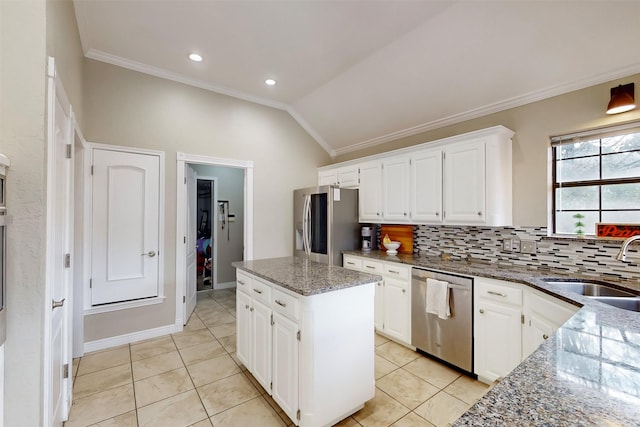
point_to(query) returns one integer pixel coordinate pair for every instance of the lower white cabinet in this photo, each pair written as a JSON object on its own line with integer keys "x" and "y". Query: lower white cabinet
{"x": 511, "y": 321}
{"x": 497, "y": 328}
{"x": 313, "y": 354}
{"x": 392, "y": 295}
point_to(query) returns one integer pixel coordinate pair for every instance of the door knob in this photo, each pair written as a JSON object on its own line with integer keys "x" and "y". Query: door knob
{"x": 150, "y": 254}
{"x": 55, "y": 304}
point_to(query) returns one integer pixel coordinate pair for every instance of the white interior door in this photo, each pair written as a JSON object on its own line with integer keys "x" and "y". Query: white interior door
{"x": 191, "y": 253}
{"x": 125, "y": 226}
{"x": 58, "y": 385}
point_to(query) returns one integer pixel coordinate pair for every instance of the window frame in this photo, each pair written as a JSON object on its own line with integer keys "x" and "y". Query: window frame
{"x": 593, "y": 135}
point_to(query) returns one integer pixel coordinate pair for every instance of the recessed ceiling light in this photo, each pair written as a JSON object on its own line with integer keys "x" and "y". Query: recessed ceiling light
{"x": 270, "y": 82}
{"x": 195, "y": 57}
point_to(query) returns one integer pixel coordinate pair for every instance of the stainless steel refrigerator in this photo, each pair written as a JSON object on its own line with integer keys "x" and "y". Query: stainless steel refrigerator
{"x": 325, "y": 222}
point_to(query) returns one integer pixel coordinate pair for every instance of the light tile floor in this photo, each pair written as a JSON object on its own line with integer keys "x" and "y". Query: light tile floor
{"x": 193, "y": 378}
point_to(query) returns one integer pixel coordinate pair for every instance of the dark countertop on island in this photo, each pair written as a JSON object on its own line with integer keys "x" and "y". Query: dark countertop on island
{"x": 305, "y": 277}
{"x": 586, "y": 374}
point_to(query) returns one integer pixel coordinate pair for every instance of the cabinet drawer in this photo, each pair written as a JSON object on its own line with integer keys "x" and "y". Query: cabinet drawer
{"x": 497, "y": 291}
{"x": 243, "y": 281}
{"x": 397, "y": 271}
{"x": 352, "y": 263}
{"x": 285, "y": 304}
{"x": 260, "y": 291}
{"x": 370, "y": 266}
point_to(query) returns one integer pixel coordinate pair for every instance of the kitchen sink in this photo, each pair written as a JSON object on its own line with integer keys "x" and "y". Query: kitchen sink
{"x": 626, "y": 299}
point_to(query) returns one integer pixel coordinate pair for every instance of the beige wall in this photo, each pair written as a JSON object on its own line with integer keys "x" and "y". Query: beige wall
{"x": 124, "y": 107}
{"x": 533, "y": 125}
{"x": 22, "y": 139}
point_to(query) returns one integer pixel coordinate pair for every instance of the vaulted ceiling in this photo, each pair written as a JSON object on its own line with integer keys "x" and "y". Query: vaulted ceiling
{"x": 356, "y": 73}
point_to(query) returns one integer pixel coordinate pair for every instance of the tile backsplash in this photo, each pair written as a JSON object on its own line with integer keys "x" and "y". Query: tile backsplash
{"x": 588, "y": 256}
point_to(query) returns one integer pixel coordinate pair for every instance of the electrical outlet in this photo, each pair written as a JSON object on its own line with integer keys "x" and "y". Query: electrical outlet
{"x": 515, "y": 247}
{"x": 529, "y": 247}
{"x": 507, "y": 245}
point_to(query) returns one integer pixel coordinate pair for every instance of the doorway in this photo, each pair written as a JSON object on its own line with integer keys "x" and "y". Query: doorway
{"x": 230, "y": 218}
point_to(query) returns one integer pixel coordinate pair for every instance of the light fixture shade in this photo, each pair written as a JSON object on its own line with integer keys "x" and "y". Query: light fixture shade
{"x": 622, "y": 99}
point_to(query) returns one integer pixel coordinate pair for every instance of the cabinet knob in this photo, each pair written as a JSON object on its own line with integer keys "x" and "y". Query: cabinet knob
{"x": 246, "y": 306}
{"x": 251, "y": 309}
{"x": 404, "y": 290}
{"x": 405, "y": 214}
{"x": 481, "y": 311}
{"x": 437, "y": 213}
{"x": 545, "y": 336}
{"x": 479, "y": 213}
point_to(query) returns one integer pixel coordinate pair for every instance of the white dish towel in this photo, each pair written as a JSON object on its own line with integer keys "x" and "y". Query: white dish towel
{"x": 437, "y": 296}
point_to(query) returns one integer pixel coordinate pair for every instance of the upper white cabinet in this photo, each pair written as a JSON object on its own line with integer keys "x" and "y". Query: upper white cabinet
{"x": 464, "y": 183}
{"x": 396, "y": 205}
{"x": 461, "y": 180}
{"x": 344, "y": 177}
{"x": 426, "y": 186}
{"x": 370, "y": 192}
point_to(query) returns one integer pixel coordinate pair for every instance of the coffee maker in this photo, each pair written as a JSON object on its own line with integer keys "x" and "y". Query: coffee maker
{"x": 367, "y": 240}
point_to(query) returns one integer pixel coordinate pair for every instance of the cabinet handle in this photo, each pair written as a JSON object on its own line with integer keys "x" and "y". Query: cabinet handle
{"x": 377, "y": 214}
{"x": 258, "y": 291}
{"x": 437, "y": 213}
{"x": 251, "y": 309}
{"x": 241, "y": 282}
{"x": 481, "y": 311}
{"x": 246, "y": 306}
{"x": 479, "y": 213}
{"x": 500, "y": 294}
{"x": 370, "y": 267}
{"x": 351, "y": 263}
{"x": 379, "y": 284}
{"x": 545, "y": 336}
{"x": 405, "y": 214}
{"x": 280, "y": 303}
{"x": 404, "y": 290}
{"x": 393, "y": 271}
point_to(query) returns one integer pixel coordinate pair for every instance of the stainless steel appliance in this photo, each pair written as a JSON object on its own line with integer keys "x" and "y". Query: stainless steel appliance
{"x": 450, "y": 340}
{"x": 325, "y": 222}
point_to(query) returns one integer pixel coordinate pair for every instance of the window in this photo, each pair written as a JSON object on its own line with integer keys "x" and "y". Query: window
{"x": 596, "y": 178}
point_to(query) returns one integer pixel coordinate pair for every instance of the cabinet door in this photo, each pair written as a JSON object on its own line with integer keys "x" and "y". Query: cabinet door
{"x": 395, "y": 189}
{"x": 243, "y": 328}
{"x": 464, "y": 183}
{"x": 397, "y": 309}
{"x": 349, "y": 177}
{"x": 537, "y": 330}
{"x": 328, "y": 177}
{"x": 370, "y": 196}
{"x": 498, "y": 339}
{"x": 285, "y": 364}
{"x": 426, "y": 186}
{"x": 261, "y": 344}
{"x": 378, "y": 310}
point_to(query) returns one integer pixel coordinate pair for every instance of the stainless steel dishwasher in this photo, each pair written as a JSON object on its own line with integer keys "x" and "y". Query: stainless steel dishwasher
{"x": 450, "y": 340}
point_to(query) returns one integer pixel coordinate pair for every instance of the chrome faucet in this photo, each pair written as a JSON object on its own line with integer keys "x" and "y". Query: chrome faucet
{"x": 622, "y": 255}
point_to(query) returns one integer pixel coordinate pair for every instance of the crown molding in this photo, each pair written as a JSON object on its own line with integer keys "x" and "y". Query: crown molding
{"x": 311, "y": 131}
{"x": 493, "y": 108}
{"x": 176, "y": 77}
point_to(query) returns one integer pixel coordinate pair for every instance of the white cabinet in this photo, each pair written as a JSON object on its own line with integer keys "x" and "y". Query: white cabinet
{"x": 396, "y": 204}
{"x": 370, "y": 192}
{"x": 464, "y": 183}
{"x": 290, "y": 344}
{"x": 544, "y": 314}
{"x": 426, "y": 186}
{"x": 285, "y": 364}
{"x": 461, "y": 180}
{"x": 392, "y": 295}
{"x": 253, "y": 323}
{"x": 511, "y": 321}
{"x": 344, "y": 177}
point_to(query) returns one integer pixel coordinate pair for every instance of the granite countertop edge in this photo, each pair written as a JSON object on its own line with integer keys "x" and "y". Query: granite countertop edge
{"x": 555, "y": 386}
{"x": 305, "y": 277}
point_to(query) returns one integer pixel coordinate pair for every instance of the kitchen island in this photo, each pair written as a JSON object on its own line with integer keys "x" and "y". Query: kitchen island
{"x": 587, "y": 373}
{"x": 305, "y": 331}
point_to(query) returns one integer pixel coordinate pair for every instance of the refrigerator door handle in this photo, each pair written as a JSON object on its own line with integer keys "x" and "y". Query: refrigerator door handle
{"x": 306, "y": 227}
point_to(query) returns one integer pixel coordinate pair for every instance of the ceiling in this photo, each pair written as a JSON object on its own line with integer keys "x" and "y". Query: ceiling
{"x": 356, "y": 73}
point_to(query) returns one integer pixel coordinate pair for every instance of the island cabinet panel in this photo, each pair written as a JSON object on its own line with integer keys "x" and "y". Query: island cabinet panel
{"x": 314, "y": 354}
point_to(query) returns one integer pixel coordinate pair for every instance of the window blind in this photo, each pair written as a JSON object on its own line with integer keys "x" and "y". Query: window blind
{"x": 589, "y": 135}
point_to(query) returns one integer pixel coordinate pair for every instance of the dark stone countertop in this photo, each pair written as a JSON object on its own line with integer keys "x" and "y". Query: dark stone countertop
{"x": 586, "y": 374}
{"x": 305, "y": 277}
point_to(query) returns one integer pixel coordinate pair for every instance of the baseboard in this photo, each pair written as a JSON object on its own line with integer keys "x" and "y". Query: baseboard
{"x": 129, "y": 338}
{"x": 226, "y": 285}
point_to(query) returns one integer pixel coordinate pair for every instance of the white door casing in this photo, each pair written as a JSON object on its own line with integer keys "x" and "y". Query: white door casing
{"x": 192, "y": 253}
{"x": 125, "y": 226}
{"x": 181, "y": 201}
{"x": 58, "y": 328}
